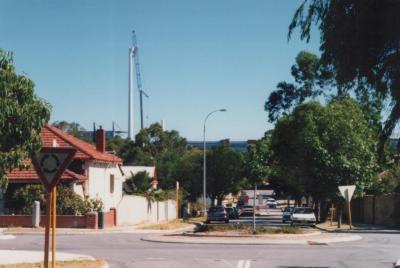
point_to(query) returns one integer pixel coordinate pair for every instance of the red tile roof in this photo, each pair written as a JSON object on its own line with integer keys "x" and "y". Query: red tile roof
{"x": 86, "y": 151}
{"x": 30, "y": 174}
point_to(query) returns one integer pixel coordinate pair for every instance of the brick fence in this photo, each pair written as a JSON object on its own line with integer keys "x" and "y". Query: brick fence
{"x": 89, "y": 221}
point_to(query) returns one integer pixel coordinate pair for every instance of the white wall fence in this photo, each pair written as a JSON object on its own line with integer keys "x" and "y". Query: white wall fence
{"x": 137, "y": 210}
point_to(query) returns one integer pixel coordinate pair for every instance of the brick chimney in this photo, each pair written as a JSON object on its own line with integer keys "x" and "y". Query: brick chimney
{"x": 101, "y": 140}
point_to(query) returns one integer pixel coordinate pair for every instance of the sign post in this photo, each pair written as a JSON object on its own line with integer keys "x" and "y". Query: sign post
{"x": 347, "y": 192}
{"x": 50, "y": 164}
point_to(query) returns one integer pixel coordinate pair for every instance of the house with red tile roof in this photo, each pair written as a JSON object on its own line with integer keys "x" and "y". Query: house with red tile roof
{"x": 93, "y": 173}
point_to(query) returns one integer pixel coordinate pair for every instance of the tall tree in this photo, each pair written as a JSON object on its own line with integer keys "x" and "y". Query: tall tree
{"x": 312, "y": 79}
{"x": 190, "y": 173}
{"x": 360, "y": 40}
{"x": 224, "y": 172}
{"x": 22, "y": 116}
{"x": 317, "y": 148}
{"x": 256, "y": 159}
{"x": 153, "y": 145}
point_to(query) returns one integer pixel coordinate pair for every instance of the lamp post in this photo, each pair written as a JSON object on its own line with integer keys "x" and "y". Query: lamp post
{"x": 204, "y": 160}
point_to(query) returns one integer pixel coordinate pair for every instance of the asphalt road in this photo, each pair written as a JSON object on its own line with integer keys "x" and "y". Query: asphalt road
{"x": 127, "y": 250}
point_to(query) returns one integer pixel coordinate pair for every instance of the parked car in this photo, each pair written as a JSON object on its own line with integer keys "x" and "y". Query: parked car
{"x": 287, "y": 214}
{"x": 271, "y": 203}
{"x": 217, "y": 213}
{"x": 232, "y": 212}
{"x": 247, "y": 210}
{"x": 303, "y": 216}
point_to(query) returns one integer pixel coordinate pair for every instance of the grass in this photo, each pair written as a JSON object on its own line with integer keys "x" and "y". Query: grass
{"x": 63, "y": 264}
{"x": 174, "y": 224}
{"x": 246, "y": 229}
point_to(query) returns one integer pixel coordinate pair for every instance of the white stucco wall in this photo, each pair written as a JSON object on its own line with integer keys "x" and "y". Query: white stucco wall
{"x": 136, "y": 210}
{"x": 99, "y": 183}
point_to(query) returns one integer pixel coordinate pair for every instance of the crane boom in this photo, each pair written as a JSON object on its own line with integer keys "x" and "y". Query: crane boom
{"x": 138, "y": 76}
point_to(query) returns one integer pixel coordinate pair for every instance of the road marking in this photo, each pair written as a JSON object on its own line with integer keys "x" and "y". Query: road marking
{"x": 244, "y": 264}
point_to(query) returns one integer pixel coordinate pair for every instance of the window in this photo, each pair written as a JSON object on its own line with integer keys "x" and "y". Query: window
{"x": 112, "y": 182}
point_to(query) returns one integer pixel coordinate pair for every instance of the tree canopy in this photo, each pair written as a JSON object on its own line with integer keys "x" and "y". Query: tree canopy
{"x": 224, "y": 172}
{"x": 360, "y": 40}
{"x": 257, "y": 167}
{"x": 74, "y": 129}
{"x": 22, "y": 116}
{"x": 317, "y": 148}
{"x": 153, "y": 145}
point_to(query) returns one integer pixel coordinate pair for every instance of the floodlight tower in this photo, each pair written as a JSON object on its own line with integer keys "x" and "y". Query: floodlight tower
{"x": 135, "y": 55}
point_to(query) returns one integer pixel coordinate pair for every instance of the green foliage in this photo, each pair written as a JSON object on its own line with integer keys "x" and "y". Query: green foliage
{"x": 153, "y": 145}
{"x": 257, "y": 157}
{"x": 20, "y": 200}
{"x": 310, "y": 77}
{"x": 116, "y": 144}
{"x": 74, "y": 129}
{"x": 224, "y": 172}
{"x": 360, "y": 41}
{"x": 190, "y": 173}
{"x": 140, "y": 182}
{"x": 22, "y": 116}
{"x": 317, "y": 148}
{"x": 388, "y": 181}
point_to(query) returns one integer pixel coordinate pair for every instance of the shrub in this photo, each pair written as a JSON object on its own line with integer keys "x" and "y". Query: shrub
{"x": 20, "y": 200}
{"x": 140, "y": 182}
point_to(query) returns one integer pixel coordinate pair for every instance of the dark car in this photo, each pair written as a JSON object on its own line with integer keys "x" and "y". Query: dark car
{"x": 217, "y": 213}
{"x": 232, "y": 212}
{"x": 287, "y": 214}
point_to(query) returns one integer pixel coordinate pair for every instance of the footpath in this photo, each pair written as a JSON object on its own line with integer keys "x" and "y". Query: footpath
{"x": 356, "y": 228}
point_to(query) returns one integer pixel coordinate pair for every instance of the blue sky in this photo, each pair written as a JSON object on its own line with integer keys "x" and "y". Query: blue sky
{"x": 196, "y": 56}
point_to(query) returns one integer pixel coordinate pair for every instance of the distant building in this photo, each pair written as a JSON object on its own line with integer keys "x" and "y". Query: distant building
{"x": 237, "y": 145}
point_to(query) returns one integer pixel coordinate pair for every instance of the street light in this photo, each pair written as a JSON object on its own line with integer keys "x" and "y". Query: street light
{"x": 204, "y": 159}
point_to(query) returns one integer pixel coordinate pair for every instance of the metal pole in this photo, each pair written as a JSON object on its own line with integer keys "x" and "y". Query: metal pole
{"x": 204, "y": 160}
{"x": 177, "y": 199}
{"x": 254, "y": 208}
{"x": 141, "y": 110}
{"x": 204, "y": 170}
{"x": 53, "y": 234}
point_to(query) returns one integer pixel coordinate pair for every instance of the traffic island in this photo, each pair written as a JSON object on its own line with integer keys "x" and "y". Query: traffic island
{"x": 262, "y": 236}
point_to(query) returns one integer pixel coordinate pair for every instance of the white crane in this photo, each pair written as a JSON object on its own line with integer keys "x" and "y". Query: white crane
{"x": 138, "y": 76}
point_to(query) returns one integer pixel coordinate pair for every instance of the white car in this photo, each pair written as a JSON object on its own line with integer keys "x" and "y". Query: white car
{"x": 271, "y": 203}
{"x": 303, "y": 216}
